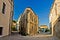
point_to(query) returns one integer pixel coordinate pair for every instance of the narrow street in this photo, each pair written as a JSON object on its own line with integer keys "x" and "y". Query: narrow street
{"x": 19, "y": 37}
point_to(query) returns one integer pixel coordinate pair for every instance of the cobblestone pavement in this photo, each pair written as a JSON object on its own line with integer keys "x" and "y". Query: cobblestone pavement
{"x": 19, "y": 37}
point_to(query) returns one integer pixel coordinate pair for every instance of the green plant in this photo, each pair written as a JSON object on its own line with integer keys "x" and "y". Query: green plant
{"x": 47, "y": 30}
{"x": 13, "y": 28}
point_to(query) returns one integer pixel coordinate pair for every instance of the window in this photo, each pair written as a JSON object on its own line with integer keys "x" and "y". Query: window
{"x": 35, "y": 20}
{"x": 32, "y": 28}
{"x": 32, "y": 18}
{"x": 28, "y": 11}
{"x": 3, "y": 9}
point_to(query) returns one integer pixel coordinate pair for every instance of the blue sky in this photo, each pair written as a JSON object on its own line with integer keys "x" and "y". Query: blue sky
{"x": 40, "y": 7}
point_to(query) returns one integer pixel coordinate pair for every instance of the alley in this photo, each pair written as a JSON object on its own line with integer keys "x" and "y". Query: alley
{"x": 19, "y": 37}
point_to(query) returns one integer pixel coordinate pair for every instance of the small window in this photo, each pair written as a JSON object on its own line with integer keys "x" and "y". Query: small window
{"x": 3, "y": 9}
{"x": 28, "y": 11}
{"x": 32, "y": 28}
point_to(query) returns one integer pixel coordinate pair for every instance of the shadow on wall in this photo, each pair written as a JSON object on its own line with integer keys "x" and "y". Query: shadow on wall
{"x": 56, "y": 29}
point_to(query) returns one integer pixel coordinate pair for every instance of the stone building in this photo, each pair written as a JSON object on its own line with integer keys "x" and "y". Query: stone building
{"x": 43, "y": 28}
{"x": 14, "y": 26}
{"x": 18, "y": 24}
{"x": 6, "y": 13}
{"x": 54, "y": 18}
{"x": 28, "y": 22}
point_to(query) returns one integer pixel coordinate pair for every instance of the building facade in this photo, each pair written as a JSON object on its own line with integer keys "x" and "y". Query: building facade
{"x": 6, "y": 13}
{"x": 43, "y": 28}
{"x": 28, "y": 22}
{"x": 54, "y": 18}
{"x": 14, "y": 26}
{"x": 18, "y": 23}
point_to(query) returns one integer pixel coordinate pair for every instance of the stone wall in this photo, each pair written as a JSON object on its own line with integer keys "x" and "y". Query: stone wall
{"x": 56, "y": 29}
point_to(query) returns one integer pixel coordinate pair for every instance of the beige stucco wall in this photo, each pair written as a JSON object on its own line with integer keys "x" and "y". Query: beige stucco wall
{"x": 28, "y": 23}
{"x": 32, "y": 23}
{"x": 5, "y": 19}
{"x": 53, "y": 18}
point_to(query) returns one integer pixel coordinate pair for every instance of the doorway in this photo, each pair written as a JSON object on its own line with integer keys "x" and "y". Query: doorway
{"x": 1, "y": 28}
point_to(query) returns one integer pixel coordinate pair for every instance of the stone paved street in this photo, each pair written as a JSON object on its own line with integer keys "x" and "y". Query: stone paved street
{"x": 19, "y": 37}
